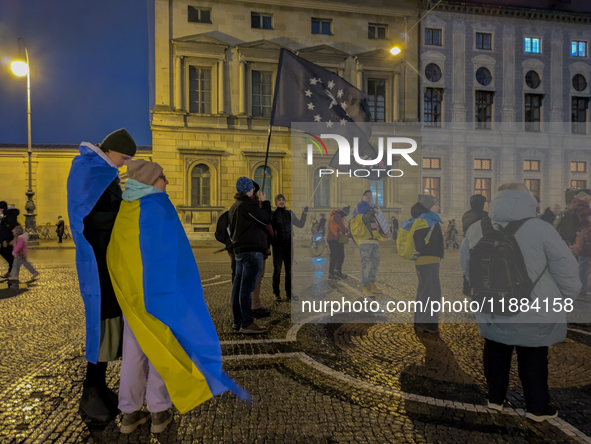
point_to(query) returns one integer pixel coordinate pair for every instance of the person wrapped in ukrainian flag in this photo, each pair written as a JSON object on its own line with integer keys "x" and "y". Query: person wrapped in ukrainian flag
{"x": 166, "y": 320}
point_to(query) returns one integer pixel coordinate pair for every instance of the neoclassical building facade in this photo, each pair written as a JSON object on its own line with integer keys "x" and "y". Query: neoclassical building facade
{"x": 504, "y": 97}
{"x": 215, "y": 68}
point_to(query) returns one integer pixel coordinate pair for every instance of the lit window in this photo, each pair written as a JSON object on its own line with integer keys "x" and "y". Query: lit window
{"x": 321, "y": 26}
{"x": 531, "y": 165}
{"x": 533, "y": 45}
{"x": 578, "y": 48}
{"x": 483, "y": 164}
{"x": 375, "y": 31}
{"x": 578, "y": 184}
{"x": 199, "y": 15}
{"x": 483, "y": 186}
{"x": 260, "y": 21}
{"x": 433, "y": 163}
{"x": 432, "y": 186}
{"x": 534, "y": 186}
{"x": 432, "y": 37}
{"x": 578, "y": 167}
{"x": 377, "y": 191}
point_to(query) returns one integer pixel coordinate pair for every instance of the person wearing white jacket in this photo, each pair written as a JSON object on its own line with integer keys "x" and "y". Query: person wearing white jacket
{"x": 530, "y": 332}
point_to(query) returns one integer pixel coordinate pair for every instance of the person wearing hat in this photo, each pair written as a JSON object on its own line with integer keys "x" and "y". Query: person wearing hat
{"x": 581, "y": 214}
{"x": 94, "y": 197}
{"x": 283, "y": 219}
{"x": 59, "y": 229}
{"x": 429, "y": 249}
{"x": 247, "y": 221}
{"x": 336, "y": 244}
{"x": 171, "y": 351}
{"x": 365, "y": 231}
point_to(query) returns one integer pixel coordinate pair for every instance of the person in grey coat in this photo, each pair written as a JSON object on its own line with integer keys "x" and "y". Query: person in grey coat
{"x": 530, "y": 332}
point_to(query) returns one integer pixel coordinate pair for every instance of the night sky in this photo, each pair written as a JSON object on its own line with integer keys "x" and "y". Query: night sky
{"x": 89, "y": 70}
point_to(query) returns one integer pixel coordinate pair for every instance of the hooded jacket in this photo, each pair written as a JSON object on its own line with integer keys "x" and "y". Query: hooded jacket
{"x": 247, "y": 221}
{"x": 475, "y": 213}
{"x": 540, "y": 244}
{"x": 7, "y": 224}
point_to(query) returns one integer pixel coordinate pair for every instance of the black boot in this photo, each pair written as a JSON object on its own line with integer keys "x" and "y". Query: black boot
{"x": 111, "y": 399}
{"x": 93, "y": 406}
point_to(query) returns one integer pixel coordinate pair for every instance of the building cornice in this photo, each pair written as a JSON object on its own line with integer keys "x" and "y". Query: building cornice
{"x": 514, "y": 12}
{"x": 359, "y": 8}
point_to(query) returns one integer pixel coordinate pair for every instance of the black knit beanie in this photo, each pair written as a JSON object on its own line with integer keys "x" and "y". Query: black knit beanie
{"x": 119, "y": 141}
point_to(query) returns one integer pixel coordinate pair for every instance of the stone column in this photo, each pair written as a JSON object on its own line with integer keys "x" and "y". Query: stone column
{"x": 558, "y": 127}
{"x": 221, "y": 104}
{"x": 178, "y": 79}
{"x": 508, "y": 110}
{"x": 459, "y": 76}
{"x": 241, "y": 90}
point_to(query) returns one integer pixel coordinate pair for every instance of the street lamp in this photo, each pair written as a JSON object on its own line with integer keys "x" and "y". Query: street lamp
{"x": 21, "y": 69}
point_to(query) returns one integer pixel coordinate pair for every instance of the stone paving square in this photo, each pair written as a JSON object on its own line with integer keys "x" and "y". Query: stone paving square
{"x": 311, "y": 383}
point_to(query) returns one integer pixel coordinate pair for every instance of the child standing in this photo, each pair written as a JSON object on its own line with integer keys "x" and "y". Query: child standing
{"x": 19, "y": 251}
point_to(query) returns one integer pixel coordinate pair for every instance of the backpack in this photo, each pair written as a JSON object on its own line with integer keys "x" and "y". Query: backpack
{"x": 582, "y": 246}
{"x": 565, "y": 226}
{"x": 222, "y": 229}
{"x": 497, "y": 269}
{"x": 405, "y": 243}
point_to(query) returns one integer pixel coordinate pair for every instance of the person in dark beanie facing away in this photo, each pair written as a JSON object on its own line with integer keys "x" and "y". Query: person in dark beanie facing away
{"x": 336, "y": 229}
{"x": 94, "y": 197}
{"x": 247, "y": 221}
{"x": 429, "y": 248}
{"x": 475, "y": 213}
{"x": 282, "y": 245}
{"x": 7, "y": 224}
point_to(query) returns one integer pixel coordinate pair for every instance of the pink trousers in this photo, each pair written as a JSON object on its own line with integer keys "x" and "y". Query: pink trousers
{"x": 139, "y": 379}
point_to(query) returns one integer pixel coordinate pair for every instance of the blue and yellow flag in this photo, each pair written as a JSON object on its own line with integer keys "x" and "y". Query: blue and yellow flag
{"x": 89, "y": 177}
{"x": 158, "y": 287}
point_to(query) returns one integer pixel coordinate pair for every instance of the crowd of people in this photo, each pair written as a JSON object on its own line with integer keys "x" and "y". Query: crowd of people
{"x": 131, "y": 314}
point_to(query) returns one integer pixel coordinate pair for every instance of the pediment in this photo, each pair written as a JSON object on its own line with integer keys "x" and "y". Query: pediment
{"x": 375, "y": 54}
{"x": 323, "y": 50}
{"x": 379, "y": 59}
{"x": 433, "y": 56}
{"x": 261, "y": 44}
{"x": 579, "y": 67}
{"x": 201, "y": 39}
{"x": 433, "y": 150}
{"x": 534, "y": 64}
{"x": 260, "y": 51}
{"x": 483, "y": 152}
{"x": 483, "y": 59}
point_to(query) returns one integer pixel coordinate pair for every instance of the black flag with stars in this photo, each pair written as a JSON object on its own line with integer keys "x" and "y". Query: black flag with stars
{"x": 306, "y": 92}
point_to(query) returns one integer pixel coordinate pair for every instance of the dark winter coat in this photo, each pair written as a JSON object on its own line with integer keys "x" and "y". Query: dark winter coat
{"x": 98, "y": 226}
{"x": 61, "y": 225}
{"x": 548, "y": 216}
{"x": 282, "y": 221}
{"x": 434, "y": 247}
{"x": 247, "y": 223}
{"x": 7, "y": 224}
{"x": 475, "y": 213}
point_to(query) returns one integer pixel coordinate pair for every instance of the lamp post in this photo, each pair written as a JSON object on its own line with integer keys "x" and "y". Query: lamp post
{"x": 21, "y": 69}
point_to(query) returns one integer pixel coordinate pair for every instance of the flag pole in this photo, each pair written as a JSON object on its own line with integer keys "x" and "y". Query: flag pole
{"x": 267, "y": 159}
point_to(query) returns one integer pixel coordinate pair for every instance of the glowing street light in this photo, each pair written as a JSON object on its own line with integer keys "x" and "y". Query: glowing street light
{"x": 395, "y": 50}
{"x": 21, "y": 69}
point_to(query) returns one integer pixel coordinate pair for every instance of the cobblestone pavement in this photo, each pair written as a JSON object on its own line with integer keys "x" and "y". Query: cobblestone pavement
{"x": 311, "y": 383}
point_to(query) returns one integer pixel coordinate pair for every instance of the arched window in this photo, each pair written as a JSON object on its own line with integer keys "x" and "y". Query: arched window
{"x": 321, "y": 189}
{"x": 258, "y": 178}
{"x": 200, "y": 186}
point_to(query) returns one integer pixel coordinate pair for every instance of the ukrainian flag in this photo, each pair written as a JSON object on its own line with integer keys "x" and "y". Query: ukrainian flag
{"x": 158, "y": 287}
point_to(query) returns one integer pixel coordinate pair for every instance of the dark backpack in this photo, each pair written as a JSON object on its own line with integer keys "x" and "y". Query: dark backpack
{"x": 565, "y": 226}
{"x": 497, "y": 269}
{"x": 221, "y": 230}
